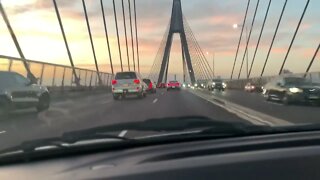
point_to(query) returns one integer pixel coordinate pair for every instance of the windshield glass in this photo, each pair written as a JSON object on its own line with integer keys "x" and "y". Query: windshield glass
{"x": 146, "y": 68}
{"x": 296, "y": 81}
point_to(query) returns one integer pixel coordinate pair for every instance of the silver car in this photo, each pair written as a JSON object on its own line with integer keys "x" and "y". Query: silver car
{"x": 128, "y": 84}
{"x": 17, "y": 92}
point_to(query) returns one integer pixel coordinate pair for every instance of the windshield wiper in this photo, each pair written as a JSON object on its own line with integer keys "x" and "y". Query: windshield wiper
{"x": 166, "y": 125}
{"x": 61, "y": 142}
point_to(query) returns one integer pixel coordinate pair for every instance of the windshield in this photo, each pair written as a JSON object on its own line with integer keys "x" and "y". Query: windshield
{"x": 217, "y": 80}
{"x": 296, "y": 81}
{"x": 142, "y": 68}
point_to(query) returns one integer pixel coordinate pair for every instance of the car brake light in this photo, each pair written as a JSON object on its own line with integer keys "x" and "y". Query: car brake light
{"x": 136, "y": 81}
{"x": 114, "y": 82}
{"x": 150, "y": 86}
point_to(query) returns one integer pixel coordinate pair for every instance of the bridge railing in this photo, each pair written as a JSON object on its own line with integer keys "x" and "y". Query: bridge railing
{"x": 58, "y": 78}
{"x": 240, "y": 83}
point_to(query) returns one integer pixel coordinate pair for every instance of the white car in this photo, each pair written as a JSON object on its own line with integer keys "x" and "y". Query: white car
{"x": 128, "y": 84}
{"x": 17, "y": 92}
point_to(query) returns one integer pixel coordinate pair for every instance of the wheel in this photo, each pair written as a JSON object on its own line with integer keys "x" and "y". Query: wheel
{"x": 116, "y": 97}
{"x": 267, "y": 96}
{"x": 286, "y": 99}
{"x": 4, "y": 108}
{"x": 44, "y": 103}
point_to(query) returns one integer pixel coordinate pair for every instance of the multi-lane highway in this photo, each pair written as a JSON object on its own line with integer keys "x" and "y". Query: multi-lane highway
{"x": 95, "y": 110}
{"x": 71, "y": 113}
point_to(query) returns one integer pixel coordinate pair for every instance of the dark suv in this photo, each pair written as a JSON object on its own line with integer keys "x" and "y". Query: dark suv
{"x": 216, "y": 84}
{"x": 17, "y": 92}
{"x": 292, "y": 89}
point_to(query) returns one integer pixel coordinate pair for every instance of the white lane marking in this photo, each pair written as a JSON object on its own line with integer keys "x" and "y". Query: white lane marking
{"x": 250, "y": 115}
{"x": 123, "y": 133}
{"x": 2, "y": 132}
{"x": 155, "y": 100}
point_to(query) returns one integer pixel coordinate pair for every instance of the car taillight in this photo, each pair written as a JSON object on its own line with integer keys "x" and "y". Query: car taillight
{"x": 136, "y": 81}
{"x": 150, "y": 86}
{"x": 114, "y": 82}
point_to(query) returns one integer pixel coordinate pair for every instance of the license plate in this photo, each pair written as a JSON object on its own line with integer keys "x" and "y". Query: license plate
{"x": 125, "y": 91}
{"x": 173, "y": 87}
{"x": 125, "y": 85}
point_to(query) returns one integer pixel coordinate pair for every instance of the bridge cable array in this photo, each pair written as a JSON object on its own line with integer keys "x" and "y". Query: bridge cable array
{"x": 272, "y": 41}
{"x": 246, "y": 53}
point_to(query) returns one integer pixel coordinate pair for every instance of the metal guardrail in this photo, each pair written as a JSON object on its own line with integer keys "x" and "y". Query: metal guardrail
{"x": 240, "y": 83}
{"x": 57, "y": 77}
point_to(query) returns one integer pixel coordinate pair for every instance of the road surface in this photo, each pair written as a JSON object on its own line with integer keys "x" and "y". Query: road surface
{"x": 96, "y": 110}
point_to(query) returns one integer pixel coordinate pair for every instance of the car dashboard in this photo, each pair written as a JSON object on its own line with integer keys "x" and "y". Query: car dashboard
{"x": 278, "y": 156}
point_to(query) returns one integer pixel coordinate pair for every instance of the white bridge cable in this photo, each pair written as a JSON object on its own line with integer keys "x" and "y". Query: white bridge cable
{"x": 204, "y": 59}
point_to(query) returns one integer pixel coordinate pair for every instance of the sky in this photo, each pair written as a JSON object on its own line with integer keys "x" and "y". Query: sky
{"x": 37, "y": 30}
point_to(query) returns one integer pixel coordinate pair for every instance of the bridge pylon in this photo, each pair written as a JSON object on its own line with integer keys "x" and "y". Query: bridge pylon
{"x": 176, "y": 26}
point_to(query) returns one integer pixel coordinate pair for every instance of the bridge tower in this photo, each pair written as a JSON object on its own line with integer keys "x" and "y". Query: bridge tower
{"x": 176, "y": 26}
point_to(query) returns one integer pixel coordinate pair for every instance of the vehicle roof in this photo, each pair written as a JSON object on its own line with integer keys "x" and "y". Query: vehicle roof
{"x": 126, "y": 72}
{"x": 7, "y": 72}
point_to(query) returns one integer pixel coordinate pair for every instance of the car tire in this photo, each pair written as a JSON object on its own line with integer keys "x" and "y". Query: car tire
{"x": 44, "y": 102}
{"x": 5, "y": 108}
{"x": 286, "y": 99}
{"x": 116, "y": 97}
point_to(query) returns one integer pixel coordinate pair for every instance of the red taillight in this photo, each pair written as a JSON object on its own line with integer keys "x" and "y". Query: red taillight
{"x": 150, "y": 86}
{"x": 114, "y": 82}
{"x": 136, "y": 81}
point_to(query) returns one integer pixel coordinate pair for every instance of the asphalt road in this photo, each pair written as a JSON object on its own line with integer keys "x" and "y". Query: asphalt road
{"x": 297, "y": 113}
{"x": 96, "y": 110}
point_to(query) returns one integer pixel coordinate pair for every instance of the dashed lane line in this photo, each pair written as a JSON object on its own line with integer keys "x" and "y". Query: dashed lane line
{"x": 155, "y": 101}
{"x": 2, "y": 132}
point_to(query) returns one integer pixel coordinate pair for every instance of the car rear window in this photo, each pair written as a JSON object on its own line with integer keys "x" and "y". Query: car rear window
{"x": 173, "y": 82}
{"x": 126, "y": 75}
{"x": 147, "y": 81}
{"x": 217, "y": 80}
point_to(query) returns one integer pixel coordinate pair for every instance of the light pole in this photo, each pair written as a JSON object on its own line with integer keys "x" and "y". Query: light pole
{"x": 236, "y": 26}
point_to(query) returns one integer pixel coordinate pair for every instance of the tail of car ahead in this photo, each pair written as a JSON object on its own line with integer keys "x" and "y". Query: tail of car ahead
{"x": 128, "y": 84}
{"x": 173, "y": 85}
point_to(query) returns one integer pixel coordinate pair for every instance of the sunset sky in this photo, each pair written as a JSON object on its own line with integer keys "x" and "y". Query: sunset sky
{"x": 37, "y": 29}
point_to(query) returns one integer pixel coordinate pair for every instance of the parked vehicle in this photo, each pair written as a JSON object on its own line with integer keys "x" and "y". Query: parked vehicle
{"x": 18, "y": 92}
{"x": 128, "y": 84}
{"x": 292, "y": 89}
